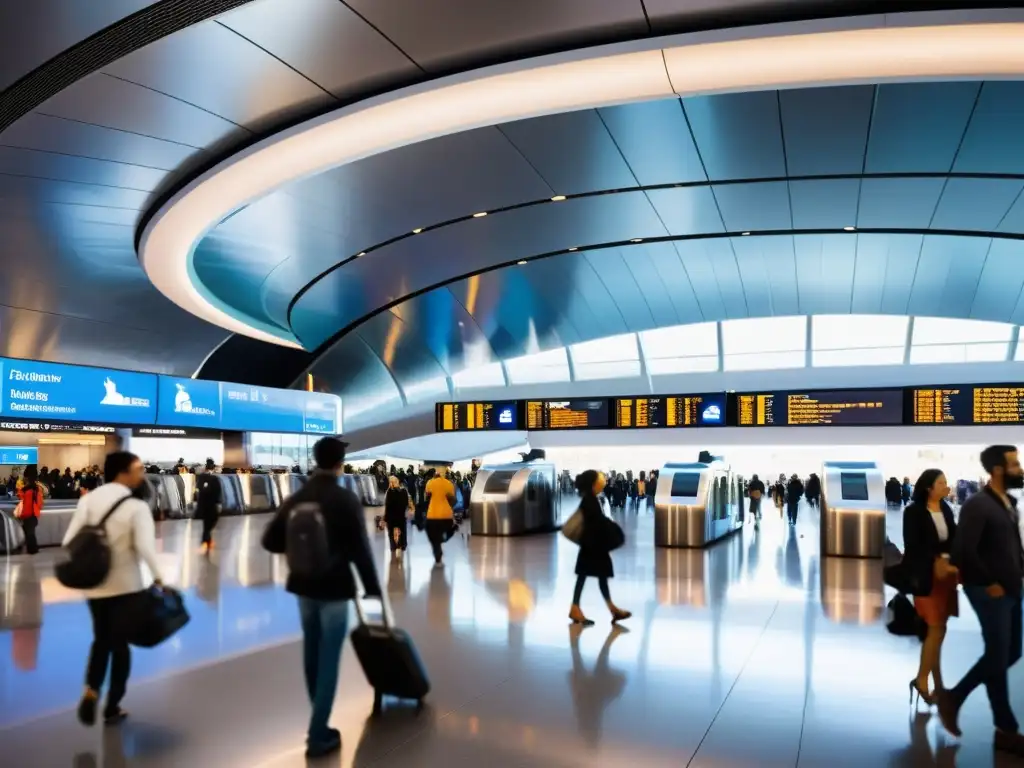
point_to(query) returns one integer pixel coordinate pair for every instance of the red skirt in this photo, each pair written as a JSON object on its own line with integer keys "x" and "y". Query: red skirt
{"x": 942, "y": 603}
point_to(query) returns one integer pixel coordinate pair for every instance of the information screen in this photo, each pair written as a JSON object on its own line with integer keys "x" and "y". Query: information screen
{"x": 837, "y": 407}
{"x": 567, "y": 414}
{"x": 669, "y": 411}
{"x": 985, "y": 404}
{"x": 853, "y": 486}
{"x": 465, "y": 417}
{"x": 52, "y": 391}
{"x": 19, "y": 454}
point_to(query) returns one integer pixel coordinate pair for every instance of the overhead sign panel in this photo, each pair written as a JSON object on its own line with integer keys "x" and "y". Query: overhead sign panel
{"x": 669, "y": 411}
{"x": 244, "y": 408}
{"x": 19, "y": 454}
{"x": 967, "y": 404}
{"x": 831, "y": 407}
{"x": 584, "y": 413}
{"x": 43, "y": 391}
{"x": 474, "y": 416}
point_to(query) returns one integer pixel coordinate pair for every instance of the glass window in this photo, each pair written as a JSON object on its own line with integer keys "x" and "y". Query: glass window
{"x": 949, "y": 340}
{"x": 838, "y": 358}
{"x": 606, "y": 358}
{"x": 540, "y": 368}
{"x": 489, "y": 375}
{"x": 859, "y": 331}
{"x": 681, "y": 349}
{"x": 764, "y": 343}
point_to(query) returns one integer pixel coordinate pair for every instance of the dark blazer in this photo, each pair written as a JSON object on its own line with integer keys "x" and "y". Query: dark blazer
{"x": 921, "y": 545}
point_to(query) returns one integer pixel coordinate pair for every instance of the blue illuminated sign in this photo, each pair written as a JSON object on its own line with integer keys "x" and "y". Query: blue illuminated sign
{"x": 506, "y": 415}
{"x": 36, "y": 390}
{"x": 222, "y": 405}
{"x": 19, "y": 454}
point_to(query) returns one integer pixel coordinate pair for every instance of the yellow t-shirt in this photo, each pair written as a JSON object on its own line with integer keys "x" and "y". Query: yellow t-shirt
{"x": 440, "y": 490}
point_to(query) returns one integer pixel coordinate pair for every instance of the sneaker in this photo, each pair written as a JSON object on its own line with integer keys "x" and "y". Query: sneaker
{"x": 329, "y": 745}
{"x": 87, "y": 709}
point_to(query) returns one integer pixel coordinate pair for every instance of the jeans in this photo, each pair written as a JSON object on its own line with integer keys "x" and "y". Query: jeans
{"x": 209, "y": 518}
{"x": 110, "y": 647}
{"x": 755, "y": 507}
{"x": 794, "y": 507}
{"x": 324, "y": 628}
{"x": 1000, "y": 619}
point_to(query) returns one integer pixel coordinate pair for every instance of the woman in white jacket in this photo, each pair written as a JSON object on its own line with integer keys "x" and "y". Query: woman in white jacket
{"x": 132, "y": 540}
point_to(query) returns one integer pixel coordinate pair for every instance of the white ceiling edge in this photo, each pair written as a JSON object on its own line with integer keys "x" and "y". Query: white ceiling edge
{"x": 438, "y": 447}
{"x": 879, "y": 48}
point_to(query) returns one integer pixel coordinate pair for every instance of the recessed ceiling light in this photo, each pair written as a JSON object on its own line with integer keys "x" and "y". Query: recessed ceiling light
{"x": 557, "y": 198}
{"x": 574, "y": 248}
{"x": 746, "y": 234}
{"x": 479, "y": 215}
{"x": 637, "y": 240}
{"x": 521, "y": 261}
{"x": 850, "y": 229}
{"x": 417, "y": 230}
{"x": 361, "y": 253}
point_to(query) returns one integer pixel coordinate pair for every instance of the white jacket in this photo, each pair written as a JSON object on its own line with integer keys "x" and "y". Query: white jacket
{"x": 130, "y": 533}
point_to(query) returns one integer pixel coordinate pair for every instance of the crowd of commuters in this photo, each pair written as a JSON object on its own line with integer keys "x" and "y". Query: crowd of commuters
{"x": 56, "y": 484}
{"x": 785, "y": 493}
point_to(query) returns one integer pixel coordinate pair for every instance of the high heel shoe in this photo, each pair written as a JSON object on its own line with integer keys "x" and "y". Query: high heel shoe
{"x": 924, "y": 696}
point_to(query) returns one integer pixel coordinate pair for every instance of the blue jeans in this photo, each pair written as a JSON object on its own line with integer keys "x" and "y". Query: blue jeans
{"x": 324, "y": 628}
{"x": 1000, "y": 619}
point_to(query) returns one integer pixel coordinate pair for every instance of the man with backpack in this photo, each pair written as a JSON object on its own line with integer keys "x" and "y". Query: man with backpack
{"x": 110, "y": 537}
{"x": 321, "y": 529}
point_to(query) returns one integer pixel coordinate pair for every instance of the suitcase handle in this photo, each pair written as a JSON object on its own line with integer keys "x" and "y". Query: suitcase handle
{"x": 386, "y": 617}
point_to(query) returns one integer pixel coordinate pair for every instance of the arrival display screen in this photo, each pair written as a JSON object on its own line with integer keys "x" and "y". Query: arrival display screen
{"x": 589, "y": 413}
{"x": 835, "y": 407}
{"x": 979, "y": 404}
{"x": 669, "y": 411}
{"x": 466, "y": 417}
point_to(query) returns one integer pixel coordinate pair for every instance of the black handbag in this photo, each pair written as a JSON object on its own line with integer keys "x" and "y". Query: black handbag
{"x": 904, "y": 621}
{"x": 159, "y": 614}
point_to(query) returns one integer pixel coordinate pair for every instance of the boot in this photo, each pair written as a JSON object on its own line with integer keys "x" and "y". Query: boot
{"x": 577, "y": 617}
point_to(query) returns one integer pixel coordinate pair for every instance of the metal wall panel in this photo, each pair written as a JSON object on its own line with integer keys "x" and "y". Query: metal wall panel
{"x": 826, "y": 129}
{"x": 573, "y": 152}
{"x": 655, "y": 139}
{"x": 216, "y": 70}
{"x": 917, "y": 127}
{"x": 757, "y": 206}
{"x": 628, "y": 296}
{"x": 1001, "y": 281}
{"x": 454, "y": 31}
{"x": 900, "y": 269}
{"x": 824, "y": 203}
{"x": 755, "y": 273}
{"x": 824, "y": 272}
{"x": 978, "y": 204}
{"x": 894, "y": 203}
{"x": 674, "y": 276}
{"x": 869, "y": 273}
{"x": 326, "y": 41}
{"x": 947, "y": 275}
{"x": 738, "y": 135}
{"x": 83, "y": 170}
{"x": 651, "y": 283}
{"x": 687, "y": 210}
{"x": 992, "y": 141}
{"x": 697, "y": 263}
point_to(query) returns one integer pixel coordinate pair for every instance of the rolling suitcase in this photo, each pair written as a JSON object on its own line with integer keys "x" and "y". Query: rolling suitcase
{"x": 10, "y": 530}
{"x": 389, "y": 659}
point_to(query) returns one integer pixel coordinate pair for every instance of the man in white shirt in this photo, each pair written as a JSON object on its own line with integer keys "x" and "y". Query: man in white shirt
{"x": 132, "y": 540}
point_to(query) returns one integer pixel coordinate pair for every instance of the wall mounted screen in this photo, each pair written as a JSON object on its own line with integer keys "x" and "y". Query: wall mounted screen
{"x": 567, "y": 414}
{"x": 52, "y": 391}
{"x": 982, "y": 404}
{"x": 706, "y": 410}
{"x": 470, "y": 417}
{"x": 19, "y": 454}
{"x": 685, "y": 484}
{"x": 836, "y": 407}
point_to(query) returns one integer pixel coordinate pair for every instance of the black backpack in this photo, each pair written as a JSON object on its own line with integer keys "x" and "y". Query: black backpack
{"x": 88, "y": 562}
{"x": 307, "y": 547}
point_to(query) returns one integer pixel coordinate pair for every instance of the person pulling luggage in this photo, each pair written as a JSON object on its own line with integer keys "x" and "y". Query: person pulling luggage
{"x": 321, "y": 530}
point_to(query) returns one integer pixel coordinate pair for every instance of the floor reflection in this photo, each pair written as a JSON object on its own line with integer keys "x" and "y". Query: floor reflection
{"x": 755, "y": 651}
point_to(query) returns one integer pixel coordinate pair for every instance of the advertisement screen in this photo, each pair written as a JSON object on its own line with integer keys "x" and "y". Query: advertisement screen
{"x": 52, "y": 391}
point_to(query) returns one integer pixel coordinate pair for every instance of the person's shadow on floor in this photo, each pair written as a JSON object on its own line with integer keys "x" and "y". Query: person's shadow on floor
{"x": 125, "y": 744}
{"x": 593, "y": 690}
{"x": 919, "y": 753}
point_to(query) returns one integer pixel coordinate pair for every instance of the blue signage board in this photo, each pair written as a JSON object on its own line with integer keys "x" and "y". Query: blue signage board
{"x": 245, "y": 408}
{"x": 36, "y": 390}
{"x": 19, "y": 454}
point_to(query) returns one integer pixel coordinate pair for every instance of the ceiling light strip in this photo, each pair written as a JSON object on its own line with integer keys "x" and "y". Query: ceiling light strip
{"x": 780, "y": 56}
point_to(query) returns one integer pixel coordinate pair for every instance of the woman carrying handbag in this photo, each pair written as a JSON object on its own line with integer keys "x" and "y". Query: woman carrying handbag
{"x": 598, "y": 537}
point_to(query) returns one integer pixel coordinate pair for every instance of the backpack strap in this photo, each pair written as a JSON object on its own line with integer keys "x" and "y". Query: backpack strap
{"x": 103, "y": 521}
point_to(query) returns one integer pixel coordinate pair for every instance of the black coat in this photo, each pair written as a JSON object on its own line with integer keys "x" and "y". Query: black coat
{"x": 598, "y": 540}
{"x": 396, "y": 505}
{"x": 921, "y": 546}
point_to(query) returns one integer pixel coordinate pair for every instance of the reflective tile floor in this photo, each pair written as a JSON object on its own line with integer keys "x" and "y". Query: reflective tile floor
{"x": 755, "y": 652}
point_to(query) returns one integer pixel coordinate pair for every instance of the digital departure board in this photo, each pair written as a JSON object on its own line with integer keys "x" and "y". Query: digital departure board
{"x": 470, "y": 417}
{"x": 567, "y": 414}
{"x": 981, "y": 404}
{"x": 836, "y": 407}
{"x": 669, "y": 411}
